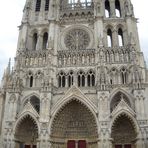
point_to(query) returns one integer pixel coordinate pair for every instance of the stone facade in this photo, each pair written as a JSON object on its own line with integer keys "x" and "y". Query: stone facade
{"x": 79, "y": 78}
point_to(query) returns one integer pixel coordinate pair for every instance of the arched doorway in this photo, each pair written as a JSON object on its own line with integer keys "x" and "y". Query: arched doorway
{"x": 74, "y": 126}
{"x": 124, "y": 132}
{"x": 26, "y": 133}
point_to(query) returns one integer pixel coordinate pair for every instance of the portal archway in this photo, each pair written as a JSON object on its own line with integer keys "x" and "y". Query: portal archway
{"x": 26, "y": 133}
{"x": 124, "y": 132}
{"x": 74, "y": 125}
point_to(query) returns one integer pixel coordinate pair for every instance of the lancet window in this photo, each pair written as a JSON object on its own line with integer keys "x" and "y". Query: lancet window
{"x": 38, "y": 5}
{"x": 117, "y": 8}
{"x": 120, "y": 37}
{"x": 90, "y": 78}
{"x": 107, "y": 9}
{"x": 46, "y": 5}
{"x": 62, "y": 79}
{"x": 45, "y": 40}
{"x": 109, "y": 38}
{"x": 30, "y": 79}
{"x": 81, "y": 79}
{"x": 124, "y": 76}
{"x": 70, "y": 78}
{"x": 35, "y": 39}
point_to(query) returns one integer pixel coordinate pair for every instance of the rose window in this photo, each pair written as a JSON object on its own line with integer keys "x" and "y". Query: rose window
{"x": 77, "y": 39}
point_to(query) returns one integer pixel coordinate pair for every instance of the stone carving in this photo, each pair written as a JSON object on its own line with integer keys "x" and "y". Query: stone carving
{"x": 33, "y": 58}
{"x": 77, "y": 39}
{"x": 118, "y": 55}
{"x": 81, "y": 57}
{"x": 74, "y": 120}
{"x": 128, "y": 8}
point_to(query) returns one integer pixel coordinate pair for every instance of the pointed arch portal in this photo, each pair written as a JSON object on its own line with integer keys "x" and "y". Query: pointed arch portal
{"x": 26, "y": 133}
{"x": 74, "y": 126}
{"x": 124, "y": 132}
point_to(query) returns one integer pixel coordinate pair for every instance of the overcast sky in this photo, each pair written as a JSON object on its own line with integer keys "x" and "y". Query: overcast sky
{"x": 11, "y": 14}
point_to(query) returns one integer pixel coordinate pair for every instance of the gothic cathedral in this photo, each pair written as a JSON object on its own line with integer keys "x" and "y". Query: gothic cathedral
{"x": 79, "y": 78}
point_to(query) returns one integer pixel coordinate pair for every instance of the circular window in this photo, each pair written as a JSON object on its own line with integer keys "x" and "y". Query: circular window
{"x": 77, "y": 39}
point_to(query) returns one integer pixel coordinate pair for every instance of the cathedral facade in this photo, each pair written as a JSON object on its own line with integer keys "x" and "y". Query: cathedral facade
{"x": 79, "y": 78}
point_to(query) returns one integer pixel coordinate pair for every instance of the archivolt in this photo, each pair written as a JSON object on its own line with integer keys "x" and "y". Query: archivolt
{"x": 124, "y": 114}
{"x": 74, "y": 111}
{"x": 21, "y": 119}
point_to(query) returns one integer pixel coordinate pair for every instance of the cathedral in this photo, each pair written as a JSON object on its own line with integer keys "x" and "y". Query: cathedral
{"x": 79, "y": 79}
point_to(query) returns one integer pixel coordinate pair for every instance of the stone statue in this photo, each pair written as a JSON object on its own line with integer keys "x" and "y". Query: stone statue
{"x": 126, "y": 5}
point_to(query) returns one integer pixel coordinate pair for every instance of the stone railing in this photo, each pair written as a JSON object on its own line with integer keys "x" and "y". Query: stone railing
{"x": 76, "y": 12}
{"x": 76, "y": 6}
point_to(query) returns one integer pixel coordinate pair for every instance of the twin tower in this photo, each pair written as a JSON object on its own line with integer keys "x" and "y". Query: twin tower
{"x": 79, "y": 78}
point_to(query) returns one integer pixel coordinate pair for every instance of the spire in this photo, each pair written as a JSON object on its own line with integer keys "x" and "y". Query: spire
{"x": 8, "y": 70}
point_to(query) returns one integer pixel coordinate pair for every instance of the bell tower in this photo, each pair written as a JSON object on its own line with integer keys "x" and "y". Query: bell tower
{"x": 79, "y": 78}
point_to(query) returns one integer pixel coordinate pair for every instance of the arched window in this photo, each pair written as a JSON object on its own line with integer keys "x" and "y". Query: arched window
{"x": 107, "y": 9}
{"x": 31, "y": 81}
{"x": 70, "y": 79}
{"x": 62, "y": 79}
{"x": 120, "y": 37}
{"x": 81, "y": 79}
{"x": 116, "y": 100}
{"x": 109, "y": 38}
{"x": 35, "y": 102}
{"x": 46, "y": 5}
{"x": 123, "y": 76}
{"x": 35, "y": 38}
{"x": 38, "y": 5}
{"x": 45, "y": 40}
{"x": 91, "y": 78}
{"x": 117, "y": 8}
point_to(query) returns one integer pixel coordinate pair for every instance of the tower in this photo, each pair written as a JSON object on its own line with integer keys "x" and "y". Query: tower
{"x": 79, "y": 79}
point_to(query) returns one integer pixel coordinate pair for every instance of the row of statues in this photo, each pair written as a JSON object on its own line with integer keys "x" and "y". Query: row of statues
{"x": 76, "y": 59}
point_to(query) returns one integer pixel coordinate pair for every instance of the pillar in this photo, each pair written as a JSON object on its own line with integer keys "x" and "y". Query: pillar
{"x": 112, "y": 7}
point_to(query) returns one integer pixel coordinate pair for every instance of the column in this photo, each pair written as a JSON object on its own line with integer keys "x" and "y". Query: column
{"x": 143, "y": 107}
{"x": 115, "y": 38}
{"x": 75, "y": 79}
{"x": 14, "y": 110}
{"x": 112, "y": 7}
{"x": 76, "y": 143}
{"x": 51, "y": 34}
{"x": 66, "y": 81}
{"x": 85, "y": 81}
{"x": 41, "y": 14}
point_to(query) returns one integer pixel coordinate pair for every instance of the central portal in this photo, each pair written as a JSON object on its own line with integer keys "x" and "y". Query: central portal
{"x": 74, "y": 121}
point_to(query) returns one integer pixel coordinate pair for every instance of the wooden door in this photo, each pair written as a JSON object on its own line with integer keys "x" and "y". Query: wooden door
{"x": 81, "y": 144}
{"x": 118, "y": 146}
{"x": 127, "y": 146}
{"x": 34, "y": 146}
{"x": 71, "y": 144}
{"x": 27, "y": 146}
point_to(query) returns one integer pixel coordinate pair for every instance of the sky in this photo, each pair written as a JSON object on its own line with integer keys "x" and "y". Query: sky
{"x": 11, "y": 14}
